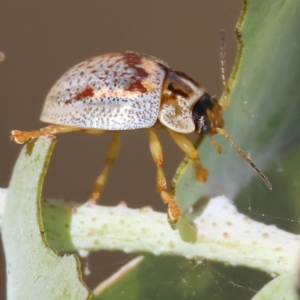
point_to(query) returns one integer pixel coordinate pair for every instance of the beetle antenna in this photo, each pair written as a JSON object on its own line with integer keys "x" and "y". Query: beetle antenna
{"x": 225, "y": 102}
{"x": 223, "y": 57}
{"x": 245, "y": 156}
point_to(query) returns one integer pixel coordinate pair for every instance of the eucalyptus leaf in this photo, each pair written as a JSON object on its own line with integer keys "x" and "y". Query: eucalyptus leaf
{"x": 280, "y": 288}
{"x": 171, "y": 277}
{"x": 155, "y": 278}
{"x": 34, "y": 270}
{"x": 264, "y": 93}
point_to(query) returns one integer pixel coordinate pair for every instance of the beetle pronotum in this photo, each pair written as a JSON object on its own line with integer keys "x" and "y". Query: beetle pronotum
{"x": 125, "y": 91}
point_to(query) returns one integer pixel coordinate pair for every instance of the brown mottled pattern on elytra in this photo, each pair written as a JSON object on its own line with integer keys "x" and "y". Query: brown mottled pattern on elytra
{"x": 115, "y": 91}
{"x": 178, "y": 98}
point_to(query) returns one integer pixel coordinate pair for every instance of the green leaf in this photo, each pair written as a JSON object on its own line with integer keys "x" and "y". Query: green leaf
{"x": 170, "y": 277}
{"x": 280, "y": 288}
{"x": 163, "y": 277}
{"x": 263, "y": 115}
{"x": 34, "y": 270}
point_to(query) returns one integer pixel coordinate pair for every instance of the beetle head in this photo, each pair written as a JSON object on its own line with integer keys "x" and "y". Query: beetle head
{"x": 207, "y": 115}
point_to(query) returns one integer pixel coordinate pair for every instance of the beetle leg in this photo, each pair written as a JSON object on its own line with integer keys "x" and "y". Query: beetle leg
{"x": 112, "y": 152}
{"x": 21, "y": 137}
{"x": 156, "y": 151}
{"x": 216, "y": 145}
{"x": 188, "y": 148}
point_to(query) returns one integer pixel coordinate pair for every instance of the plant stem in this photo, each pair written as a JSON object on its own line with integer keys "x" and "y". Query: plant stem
{"x": 223, "y": 234}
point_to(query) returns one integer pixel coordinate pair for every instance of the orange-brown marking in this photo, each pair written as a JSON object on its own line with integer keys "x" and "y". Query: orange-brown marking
{"x": 87, "y": 92}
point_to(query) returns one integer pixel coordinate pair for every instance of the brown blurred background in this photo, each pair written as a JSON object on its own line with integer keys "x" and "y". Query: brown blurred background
{"x": 42, "y": 39}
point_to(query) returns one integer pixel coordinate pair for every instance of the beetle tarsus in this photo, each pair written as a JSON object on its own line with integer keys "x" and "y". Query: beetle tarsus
{"x": 173, "y": 213}
{"x": 201, "y": 173}
{"x": 20, "y": 137}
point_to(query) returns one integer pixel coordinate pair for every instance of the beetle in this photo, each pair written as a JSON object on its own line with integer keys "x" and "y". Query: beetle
{"x": 126, "y": 91}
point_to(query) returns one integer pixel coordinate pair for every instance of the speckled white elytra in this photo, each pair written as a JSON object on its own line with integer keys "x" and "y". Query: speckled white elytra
{"x": 124, "y": 91}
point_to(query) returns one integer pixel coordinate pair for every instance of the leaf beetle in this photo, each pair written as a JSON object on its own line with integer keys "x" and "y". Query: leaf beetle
{"x": 126, "y": 91}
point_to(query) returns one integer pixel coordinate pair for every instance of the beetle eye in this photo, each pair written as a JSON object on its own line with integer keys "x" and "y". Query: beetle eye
{"x": 199, "y": 113}
{"x": 203, "y": 125}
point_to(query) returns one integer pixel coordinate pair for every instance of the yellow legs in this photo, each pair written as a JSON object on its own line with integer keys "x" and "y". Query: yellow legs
{"x": 189, "y": 150}
{"x": 186, "y": 145}
{"x": 22, "y": 137}
{"x": 112, "y": 153}
{"x": 155, "y": 148}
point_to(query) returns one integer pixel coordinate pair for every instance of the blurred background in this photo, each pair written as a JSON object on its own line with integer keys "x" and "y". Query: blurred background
{"x": 42, "y": 39}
